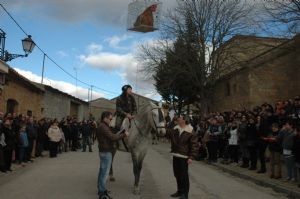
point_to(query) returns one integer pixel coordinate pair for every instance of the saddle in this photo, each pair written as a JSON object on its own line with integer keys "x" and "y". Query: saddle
{"x": 122, "y": 145}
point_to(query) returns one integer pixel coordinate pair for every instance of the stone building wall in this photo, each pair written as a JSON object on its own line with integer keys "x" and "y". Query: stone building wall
{"x": 270, "y": 77}
{"x": 27, "y": 96}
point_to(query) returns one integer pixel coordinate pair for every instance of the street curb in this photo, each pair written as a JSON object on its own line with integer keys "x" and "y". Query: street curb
{"x": 291, "y": 193}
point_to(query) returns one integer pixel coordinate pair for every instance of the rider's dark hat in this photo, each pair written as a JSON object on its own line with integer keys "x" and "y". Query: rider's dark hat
{"x": 125, "y": 87}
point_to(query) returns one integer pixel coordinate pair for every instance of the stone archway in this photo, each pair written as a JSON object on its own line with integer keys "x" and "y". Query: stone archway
{"x": 12, "y": 106}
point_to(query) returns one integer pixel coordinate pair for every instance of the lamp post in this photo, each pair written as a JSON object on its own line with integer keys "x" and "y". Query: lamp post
{"x": 27, "y": 43}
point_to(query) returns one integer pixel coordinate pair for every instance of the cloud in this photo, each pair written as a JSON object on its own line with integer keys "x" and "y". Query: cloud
{"x": 62, "y": 54}
{"x": 66, "y": 87}
{"x": 94, "y": 48}
{"x": 113, "y": 12}
{"x": 108, "y": 61}
{"x": 115, "y": 41}
{"x": 126, "y": 65}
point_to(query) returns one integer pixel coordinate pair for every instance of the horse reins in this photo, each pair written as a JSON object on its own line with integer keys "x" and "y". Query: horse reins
{"x": 140, "y": 131}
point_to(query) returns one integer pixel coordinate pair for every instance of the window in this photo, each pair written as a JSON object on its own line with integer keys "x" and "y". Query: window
{"x": 2, "y": 79}
{"x": 228, "y": 89}
{"x": 12, "y": 106}
{"x": 29, "y": 113}
{"x": 234, "y": 88}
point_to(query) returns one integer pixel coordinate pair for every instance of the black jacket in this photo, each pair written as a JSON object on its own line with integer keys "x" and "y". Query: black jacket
{"x": 125, "y": 104}
{"x": 10, "y": 138}
{"x": 86, "y": 130}
{"x": 296, "y": 149}
{"x": 251, "y": 135}
{"x": 275, "y": 145}
{"x": 31, "y": 130}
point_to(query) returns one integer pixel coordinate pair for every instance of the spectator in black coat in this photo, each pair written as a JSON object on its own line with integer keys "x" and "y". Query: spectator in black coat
{"x": 264, "y": 131}
{"x": 42, "y": 137}
{"x": 10, "y": 141}
{"x": 251, "y": 140}
{"x": 86, "y": 136}
{"x": 31, "y": 130}
{"x": 74, "y": 134}
{"x": 275, "y": 152}
{"x": 296, "y": 151}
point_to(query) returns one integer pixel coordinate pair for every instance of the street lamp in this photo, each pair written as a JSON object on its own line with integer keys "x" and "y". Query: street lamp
{"x": 28, "y": 45}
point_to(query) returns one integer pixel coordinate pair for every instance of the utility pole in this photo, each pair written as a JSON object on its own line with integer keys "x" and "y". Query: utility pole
{"x": 43, "y": 69}
{"x": 92, "y": 92}
{"x": 76, "y": 80}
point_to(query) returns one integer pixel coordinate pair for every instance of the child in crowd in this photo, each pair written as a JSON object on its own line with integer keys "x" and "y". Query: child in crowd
{"x": 275, "y": 152}
{"x": 23, "y": 145}
{"x": 286, "y": 137}
{"x": 233, "y": 143}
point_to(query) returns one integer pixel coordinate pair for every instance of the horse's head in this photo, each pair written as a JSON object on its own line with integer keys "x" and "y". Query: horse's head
{"x": 158, "y": 122}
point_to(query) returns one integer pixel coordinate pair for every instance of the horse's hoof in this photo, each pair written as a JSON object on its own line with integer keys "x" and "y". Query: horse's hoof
{"x": 136, "y": 190}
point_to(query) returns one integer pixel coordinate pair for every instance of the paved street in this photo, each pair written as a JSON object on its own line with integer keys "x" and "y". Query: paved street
{"x": 73, "y": 175}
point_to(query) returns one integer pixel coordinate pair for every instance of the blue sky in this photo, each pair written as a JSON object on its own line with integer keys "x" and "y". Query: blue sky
{"x": 89, "y": 36}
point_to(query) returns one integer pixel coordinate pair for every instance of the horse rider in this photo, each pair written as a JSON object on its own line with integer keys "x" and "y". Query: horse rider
{"x": 125, "y": 108}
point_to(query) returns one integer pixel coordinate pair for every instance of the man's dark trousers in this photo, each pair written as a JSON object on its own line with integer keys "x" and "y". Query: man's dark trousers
{"x": 180, "y": 168}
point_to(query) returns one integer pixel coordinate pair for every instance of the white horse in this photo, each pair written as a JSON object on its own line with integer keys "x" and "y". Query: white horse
{"x": 148, "y": 121}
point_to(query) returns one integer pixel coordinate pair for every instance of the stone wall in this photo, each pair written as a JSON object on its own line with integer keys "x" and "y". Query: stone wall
{"x": 270, "y": 77}
{"x": 27, "y": 96}
{"x": 231, "y": 93}
{"x": 100, "y": 105}
{"x": 55, "y": 105}
{"x": 58, "y": 104}
{"x": 277, "y": 78}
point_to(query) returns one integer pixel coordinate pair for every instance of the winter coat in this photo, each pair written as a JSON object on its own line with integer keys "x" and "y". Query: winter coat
{"x": 214, "y": 131}
{"x": 23, "y": 139}
{"x": 86, "y": 130}
{"x": 286, "y": 138}
{"x": 124, "y": 105}
{"x": 275, "y": 146}
{"x": 233, "y": 140}
{"x": 31, "y": 130}
{"x": 251, "y": 135}
{"x": 42, "y": 132}
{"x": 10, "y": 138}
{"x": 184, "y": 142}
{"x": 106, "y": 137}
{"x": 54, "y": 134}
{"x": 296, "y": 149}
{"x": 242, "y": 133}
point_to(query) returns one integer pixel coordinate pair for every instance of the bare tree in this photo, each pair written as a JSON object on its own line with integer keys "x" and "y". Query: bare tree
{"x": 204, "y": 25}
{"x": 285, "y": 15}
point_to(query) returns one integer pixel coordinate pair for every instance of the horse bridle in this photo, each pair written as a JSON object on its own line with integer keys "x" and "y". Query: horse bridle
{"x": 157, "y": 127}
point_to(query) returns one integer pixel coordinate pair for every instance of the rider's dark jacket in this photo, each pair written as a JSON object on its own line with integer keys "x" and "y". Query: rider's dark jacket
{"x": 183, "y": 142}
{"x": 124, "y": 105}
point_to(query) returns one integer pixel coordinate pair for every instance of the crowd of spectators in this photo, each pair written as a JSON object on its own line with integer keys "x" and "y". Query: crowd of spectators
{"x": 23, "y": 138}
{"x": 250, "y": 138}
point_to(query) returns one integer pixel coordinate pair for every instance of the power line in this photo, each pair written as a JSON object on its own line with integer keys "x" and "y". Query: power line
{"x": 54, "y": 62}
